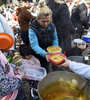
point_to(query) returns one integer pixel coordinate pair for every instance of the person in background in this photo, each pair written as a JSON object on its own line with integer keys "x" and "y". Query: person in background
{"x": 8, "y": 14}
{"x": 78, "y": 68}
{"x": 14, "y": 18}
{"x": 27, "y": 57}
{"x": 89, "y": 20}
{"x": 61, "y": 19}
{"x": 24, "y": 16}
{"x": 10, "y": 81}
{"x": 79, "y": 17}
{"x": 5, "y": 28}
{"x": 42, "y": 33}
{"x": 73, "y": 5}
{"x": 89, "y": 15}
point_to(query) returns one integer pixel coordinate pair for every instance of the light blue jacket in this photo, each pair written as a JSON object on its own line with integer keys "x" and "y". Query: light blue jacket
{"x": 34, "y": 42}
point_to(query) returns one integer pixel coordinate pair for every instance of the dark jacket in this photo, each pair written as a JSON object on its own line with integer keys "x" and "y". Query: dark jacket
{"x": 45, "y": 37}
{"x": 62, "y": 21}
{"x": 79, "y": 19}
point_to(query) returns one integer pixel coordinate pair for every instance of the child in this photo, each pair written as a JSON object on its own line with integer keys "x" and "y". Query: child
{"x": 10, "y": 82}
{"x": 28, "y": 58}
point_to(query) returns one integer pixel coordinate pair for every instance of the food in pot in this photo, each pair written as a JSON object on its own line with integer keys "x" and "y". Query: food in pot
{"x": 59, "y": 95}
{"x": 74, "y": 82}
{"x": 62, "y": 90}
{"x": 54, "y": 49}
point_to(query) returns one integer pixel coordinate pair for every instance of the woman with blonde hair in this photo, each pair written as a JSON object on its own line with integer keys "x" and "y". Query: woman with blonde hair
{"x": 42, "y": 33}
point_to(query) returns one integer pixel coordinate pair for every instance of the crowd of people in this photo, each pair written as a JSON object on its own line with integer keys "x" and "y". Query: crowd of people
{"x": 42, "y": 24}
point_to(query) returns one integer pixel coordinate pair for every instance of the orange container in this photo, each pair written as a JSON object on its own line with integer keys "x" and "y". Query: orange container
{"x": 56, "y": 58}
{"x": 6, "y": 41}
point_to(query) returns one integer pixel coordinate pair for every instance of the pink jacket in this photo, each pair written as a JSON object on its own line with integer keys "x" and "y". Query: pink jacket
{"x": 32, "y": 61}
{"x": 12, "y": 95}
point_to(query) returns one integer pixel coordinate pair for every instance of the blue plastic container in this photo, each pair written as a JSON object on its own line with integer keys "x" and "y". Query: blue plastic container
{"x": 86, "y": 38}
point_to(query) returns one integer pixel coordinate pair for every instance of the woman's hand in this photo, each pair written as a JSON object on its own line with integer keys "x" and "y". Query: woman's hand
{"x": 66, "y": 63}
{"x": 23, "y": 76}
{"x": 46, "y": 55}
{"x": 11, "y": 53}
{"x": 16, "y": 70}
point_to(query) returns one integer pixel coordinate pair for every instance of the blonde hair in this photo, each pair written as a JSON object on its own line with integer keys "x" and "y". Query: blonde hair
{"x": 43, "y": 10}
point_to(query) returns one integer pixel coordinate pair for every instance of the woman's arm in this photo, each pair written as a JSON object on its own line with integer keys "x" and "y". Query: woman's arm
{"x": 8, "y": 84}
{"x": 34, "y": 43}
{"x": 80, "y": 68}
{"x": 55, "y": 38}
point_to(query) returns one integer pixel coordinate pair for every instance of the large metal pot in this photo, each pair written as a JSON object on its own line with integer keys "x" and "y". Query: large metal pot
{"x": 67, "y": 84}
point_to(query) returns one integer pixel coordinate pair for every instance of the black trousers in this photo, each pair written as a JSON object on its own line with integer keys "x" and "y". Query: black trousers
{"x": 21, "y": 94}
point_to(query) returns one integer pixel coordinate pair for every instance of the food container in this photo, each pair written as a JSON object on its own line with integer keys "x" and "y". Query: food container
{"x": 79, "y": 43}
{"x": 54, "y": 49}
{"x": 33, "y": 72}
{"x": 81, "y": 46}
{"x": 6, "y": 41}
{"x": 86, "y": 38}
{"x": 56, "y": 58}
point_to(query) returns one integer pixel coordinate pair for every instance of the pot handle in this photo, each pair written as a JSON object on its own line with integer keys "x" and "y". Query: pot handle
{"x": 34, "y": 93}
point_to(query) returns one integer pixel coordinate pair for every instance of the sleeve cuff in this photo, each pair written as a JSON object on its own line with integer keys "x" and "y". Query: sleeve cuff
{"x": 19, "y": 76}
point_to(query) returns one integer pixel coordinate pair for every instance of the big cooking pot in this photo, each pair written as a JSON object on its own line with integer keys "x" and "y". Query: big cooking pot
{"x": 63, "y": 85}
